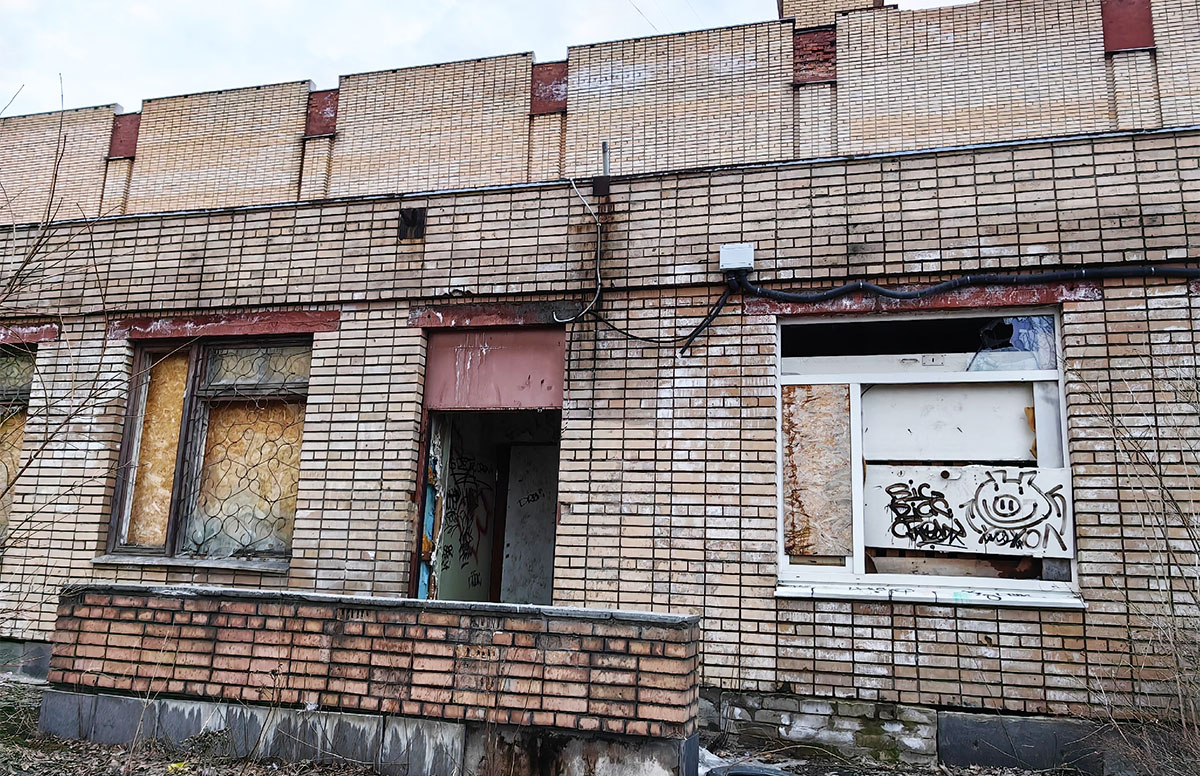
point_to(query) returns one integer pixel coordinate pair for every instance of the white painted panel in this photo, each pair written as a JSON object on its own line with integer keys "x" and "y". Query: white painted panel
{"x": 527, "y": 576}
{"x": 948, "y": 422}
{"x": 998, "y": 510}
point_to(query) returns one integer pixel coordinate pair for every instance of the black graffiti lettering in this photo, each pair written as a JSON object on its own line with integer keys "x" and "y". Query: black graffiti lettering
{"x": 922, "y": 515}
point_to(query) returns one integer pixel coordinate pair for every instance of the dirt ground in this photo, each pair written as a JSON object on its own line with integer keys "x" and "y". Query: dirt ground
{"x": 23, "y": 752}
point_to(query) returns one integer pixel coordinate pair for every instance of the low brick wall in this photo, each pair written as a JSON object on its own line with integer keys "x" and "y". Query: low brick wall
{"x": 621, "y": 673}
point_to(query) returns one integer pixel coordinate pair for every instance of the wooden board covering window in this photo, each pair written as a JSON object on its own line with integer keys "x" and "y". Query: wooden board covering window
{"x": 817, "y": 498}
{"x": 158, "y": 448}
{"x": 12, "y": 435}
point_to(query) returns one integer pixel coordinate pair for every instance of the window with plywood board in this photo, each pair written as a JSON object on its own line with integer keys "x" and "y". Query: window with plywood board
{"x": 211, "y": 455}
{"x": 924, "y": 447}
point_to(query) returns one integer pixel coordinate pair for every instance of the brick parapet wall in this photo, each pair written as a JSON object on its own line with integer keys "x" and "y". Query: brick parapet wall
{"x": 994, "y": 70}
{"x": 611, "y": 672}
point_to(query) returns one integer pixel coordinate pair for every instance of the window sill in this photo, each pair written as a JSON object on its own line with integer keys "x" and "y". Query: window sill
{"x": 231, "y": 564}
{"x": 941, "y": 596}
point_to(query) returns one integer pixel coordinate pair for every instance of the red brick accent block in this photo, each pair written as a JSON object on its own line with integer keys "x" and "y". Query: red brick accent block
{"x": 814, "y": 53}
{"x": 573, "y": 669}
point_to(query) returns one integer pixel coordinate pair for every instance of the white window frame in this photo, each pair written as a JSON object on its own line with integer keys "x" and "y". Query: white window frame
{"x": 850, "y": 580}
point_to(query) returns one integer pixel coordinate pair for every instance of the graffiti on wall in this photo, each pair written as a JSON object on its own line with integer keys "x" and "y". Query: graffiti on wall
{"x": 467, "y": 514}
{"x": 996, "y": 510}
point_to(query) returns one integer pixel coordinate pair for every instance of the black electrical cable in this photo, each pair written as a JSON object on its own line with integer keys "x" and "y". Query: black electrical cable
{"x": 1060, "y": 276}
{"x": 686, "y": 339}
{"x": 738, "y": 281}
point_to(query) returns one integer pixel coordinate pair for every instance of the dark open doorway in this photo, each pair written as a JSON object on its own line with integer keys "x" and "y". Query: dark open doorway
{"x": 490, "y": 506}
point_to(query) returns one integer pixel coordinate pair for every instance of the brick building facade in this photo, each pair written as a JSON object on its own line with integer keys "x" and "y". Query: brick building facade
{"x": 355, "y": 247}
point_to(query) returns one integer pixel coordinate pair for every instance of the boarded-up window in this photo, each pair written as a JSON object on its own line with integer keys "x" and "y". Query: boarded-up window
{"x": 817, "y": 499}
{"x": 212, "y": 453}
{"x": 16, "y": 380}
{"x": 925, "y": 445}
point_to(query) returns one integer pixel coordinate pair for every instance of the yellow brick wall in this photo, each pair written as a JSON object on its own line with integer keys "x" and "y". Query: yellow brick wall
{"x": 1135, "y": 90}
{"x": 219, "y": 149}
{"x": 116, "y": 186}
{"x": 668, "y": 480}
{"x": 1177, "y": 50}
{"x": 983, "y": 72}
{"x": 436, "y": 127}
{"x": 547, "y": 143}
{"x": 814, "y": 13}
{"x": 28, "y": 148}
{"x": 815, "y": 107}
{"x": 314, "y": 177}
{"x": 678, "y": 101}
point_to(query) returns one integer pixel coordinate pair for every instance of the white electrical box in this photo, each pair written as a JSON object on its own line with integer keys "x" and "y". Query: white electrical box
{"x": 737, "y": 256}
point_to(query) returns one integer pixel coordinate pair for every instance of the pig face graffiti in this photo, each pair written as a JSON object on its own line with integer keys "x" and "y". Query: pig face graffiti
{"x": 1011, "y": 510}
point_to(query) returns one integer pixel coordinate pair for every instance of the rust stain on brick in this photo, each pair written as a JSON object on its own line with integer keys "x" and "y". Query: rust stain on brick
{"x": 548, "y": 92}
{"x": 321, "y": 118}
{"x": 816, "y": 470}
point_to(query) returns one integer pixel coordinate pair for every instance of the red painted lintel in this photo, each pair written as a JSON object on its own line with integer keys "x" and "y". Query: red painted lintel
{"x": 234, "y": 324}
{"x": 983, "y": 296}
{"x": 28, "y": 333}
{"x": 484, "y": 315}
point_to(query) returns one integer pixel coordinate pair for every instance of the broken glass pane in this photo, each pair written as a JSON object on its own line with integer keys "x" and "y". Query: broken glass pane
{"x": 1017, "y": 343}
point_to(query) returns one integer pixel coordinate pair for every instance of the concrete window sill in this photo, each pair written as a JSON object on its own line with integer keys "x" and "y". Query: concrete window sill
{"x": 940, "y": 596}
{"x": 234, "y": 564}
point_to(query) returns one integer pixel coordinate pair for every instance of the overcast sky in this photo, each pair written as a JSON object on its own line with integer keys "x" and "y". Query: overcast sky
{"x": 124, "y": 52}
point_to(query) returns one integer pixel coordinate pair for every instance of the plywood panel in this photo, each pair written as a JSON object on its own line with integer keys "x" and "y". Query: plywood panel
{"x": 157, "y": 450}
{"x": 816, "y": 470}
{"x": 992, "y": 510}
{"x": 12, "y": 438}
{"x": 948, "y": 422}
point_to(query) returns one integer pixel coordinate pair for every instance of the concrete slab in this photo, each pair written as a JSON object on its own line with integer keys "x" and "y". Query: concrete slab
{"x": 67, "y": 714}
{"x": 122, "y": 720}
{"x": 348, "y": 738}
{"x": 179, "y": 720}
{"x": 1035, "y": 743}
{"x": 420, "y": 746}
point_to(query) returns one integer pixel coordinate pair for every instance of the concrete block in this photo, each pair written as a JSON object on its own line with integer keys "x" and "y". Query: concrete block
{"x": 822, "y": 708}
{"x": 123, "y": 721}
{"x": 997, "y": 740}
{"x": 67, "y": 714}
{"x": 855, "y": 709}
{"x": 353, "y": 738}
{"x": 419, "y": 746}
{"x": 179, "y": 720}
{"x": 249, "y": 735}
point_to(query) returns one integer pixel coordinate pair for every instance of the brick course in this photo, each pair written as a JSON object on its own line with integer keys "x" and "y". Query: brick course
{"x": 615, "y": 673}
